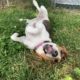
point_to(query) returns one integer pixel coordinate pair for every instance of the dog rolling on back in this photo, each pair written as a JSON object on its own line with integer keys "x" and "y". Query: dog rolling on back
{"x": 37, "y": 37}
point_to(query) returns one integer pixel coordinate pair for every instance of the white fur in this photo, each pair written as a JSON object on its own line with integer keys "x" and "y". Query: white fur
{"x": 36, "y": 5}
{"x": 35, "y": 31}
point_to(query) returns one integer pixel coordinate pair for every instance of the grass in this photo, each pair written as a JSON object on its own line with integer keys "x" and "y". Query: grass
{"x": 18, "y": 63}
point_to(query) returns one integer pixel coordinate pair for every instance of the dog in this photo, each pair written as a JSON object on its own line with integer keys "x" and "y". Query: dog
{"x": 37, "y": 37}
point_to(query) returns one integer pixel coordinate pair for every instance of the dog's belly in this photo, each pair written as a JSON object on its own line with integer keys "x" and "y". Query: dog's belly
{"x": 36, "y": 38}
{"x": 33, "y": 42}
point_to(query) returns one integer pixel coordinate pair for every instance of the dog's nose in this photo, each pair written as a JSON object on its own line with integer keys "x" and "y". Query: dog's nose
{"x": 54, "y": 53}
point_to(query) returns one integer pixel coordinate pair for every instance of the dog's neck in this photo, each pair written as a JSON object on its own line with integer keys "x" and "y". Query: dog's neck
{"x": 40, "y": 44}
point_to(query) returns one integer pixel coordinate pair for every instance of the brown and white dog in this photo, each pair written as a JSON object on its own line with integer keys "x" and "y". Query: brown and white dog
{"x": 37, "y": 37}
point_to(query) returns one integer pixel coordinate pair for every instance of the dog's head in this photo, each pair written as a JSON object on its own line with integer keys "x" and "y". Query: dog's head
{"x": 54, "y": 51}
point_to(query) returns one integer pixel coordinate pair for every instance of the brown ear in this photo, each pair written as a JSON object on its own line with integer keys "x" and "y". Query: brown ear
{"x": 64, "y": 52}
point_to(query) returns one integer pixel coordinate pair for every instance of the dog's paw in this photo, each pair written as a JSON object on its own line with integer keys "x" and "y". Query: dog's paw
{"x": 14, "y": 36}
{"x": 27, "y": 20}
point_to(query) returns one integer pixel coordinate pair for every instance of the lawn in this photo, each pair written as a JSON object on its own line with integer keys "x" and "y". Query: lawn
{"x": 18, "y": 63}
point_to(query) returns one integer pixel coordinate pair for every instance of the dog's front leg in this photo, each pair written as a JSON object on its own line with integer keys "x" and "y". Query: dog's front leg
{"x": 30, "y": 20}
{"x": 27, "y": 20}
{"x": 21, "y": 39}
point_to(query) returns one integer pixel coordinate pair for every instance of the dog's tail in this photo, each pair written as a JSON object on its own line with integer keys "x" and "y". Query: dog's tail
{"x": 36, "y": 5}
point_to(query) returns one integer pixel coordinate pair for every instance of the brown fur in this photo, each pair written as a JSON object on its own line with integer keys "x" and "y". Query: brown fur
{"x": 42, "y": 56}
{"x": 64, "y": 52}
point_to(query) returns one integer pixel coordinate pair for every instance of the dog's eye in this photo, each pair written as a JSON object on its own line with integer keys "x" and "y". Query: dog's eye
{"x": 45, "y": 51}
{"x": 51, "y": 46}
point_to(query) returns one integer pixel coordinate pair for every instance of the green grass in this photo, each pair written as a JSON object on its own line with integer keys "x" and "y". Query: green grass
{"x": 18, "y": 63}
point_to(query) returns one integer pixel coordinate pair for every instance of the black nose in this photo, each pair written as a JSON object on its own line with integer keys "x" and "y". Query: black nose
{"x": 54, "y": 53}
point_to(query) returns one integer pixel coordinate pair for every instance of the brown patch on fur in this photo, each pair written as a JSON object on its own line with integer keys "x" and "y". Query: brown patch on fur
{"x": 47, "y": 25}
{"x": 42, "y": 56}
{"x": 64, "y": 52}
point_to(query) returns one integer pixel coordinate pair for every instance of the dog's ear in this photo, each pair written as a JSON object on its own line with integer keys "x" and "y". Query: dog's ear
{"x": 64, "y": 52}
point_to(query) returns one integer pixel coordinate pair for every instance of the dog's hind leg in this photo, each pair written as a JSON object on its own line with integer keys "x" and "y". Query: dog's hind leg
{"x": 41, "y": 9}
{"x": 15, "y": 37}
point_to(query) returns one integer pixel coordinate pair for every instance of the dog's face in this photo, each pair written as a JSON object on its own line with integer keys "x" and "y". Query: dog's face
{"x": 56, "y": 52}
